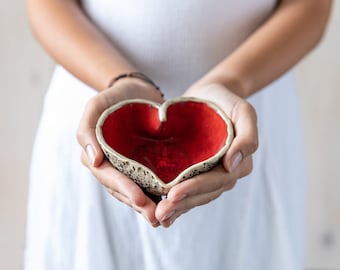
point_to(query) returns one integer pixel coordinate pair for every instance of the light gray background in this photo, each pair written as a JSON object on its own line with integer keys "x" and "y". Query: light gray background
{"x": 25, "y": 70}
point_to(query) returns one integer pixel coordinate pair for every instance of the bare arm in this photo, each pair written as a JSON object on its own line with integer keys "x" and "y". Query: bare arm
{"x": 292, "y": 31}
{"x": 289, "y": 34}
{"x": 74, "y": 42}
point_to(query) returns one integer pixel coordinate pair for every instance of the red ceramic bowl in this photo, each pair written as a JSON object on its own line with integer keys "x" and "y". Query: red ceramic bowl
{"x": 160, "y": 145}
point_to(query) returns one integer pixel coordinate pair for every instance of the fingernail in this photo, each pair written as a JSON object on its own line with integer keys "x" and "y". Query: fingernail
{"x": 235, "y": 161}
{"x": 168, "y": 216}
{"x": 155, "y": 224}
{"x": 90, "y": 153}
{"x": 171, "y": 221}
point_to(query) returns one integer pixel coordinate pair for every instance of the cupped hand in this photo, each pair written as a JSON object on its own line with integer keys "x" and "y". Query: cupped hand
{"x": 236, "y": 163}
{"x": 116, "y": 183}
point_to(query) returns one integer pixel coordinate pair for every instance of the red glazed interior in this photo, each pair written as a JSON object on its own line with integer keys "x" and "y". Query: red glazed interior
{"x": 193, "y": 132}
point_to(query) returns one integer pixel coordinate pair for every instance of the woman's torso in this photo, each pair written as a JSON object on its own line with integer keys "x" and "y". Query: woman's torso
{"x": 175, "y": 43}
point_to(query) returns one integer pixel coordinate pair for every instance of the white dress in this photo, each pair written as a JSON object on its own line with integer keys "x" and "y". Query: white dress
{"x": 73, "y": 223}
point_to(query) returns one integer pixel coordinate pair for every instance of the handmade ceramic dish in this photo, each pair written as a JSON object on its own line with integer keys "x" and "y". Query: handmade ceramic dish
{"x": 160, "y": 145}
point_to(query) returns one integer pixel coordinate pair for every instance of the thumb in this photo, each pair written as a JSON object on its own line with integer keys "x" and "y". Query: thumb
{"x": 86, "y": 134}
{"x": 240, "y": 149}
{"x": 245, "y": 142}
{"x": 231, "y": 164}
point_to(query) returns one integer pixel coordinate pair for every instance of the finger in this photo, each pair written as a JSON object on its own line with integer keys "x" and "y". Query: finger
{"x": 147, "y": 210}
{"x": 243, "y": 117}
{"x": 229, "y": 181}
{"x": 86, "y": 134}
{"x": 116, "y": 181}
{"x": 124, "y": 189}
{"x": 166, "y": 209}
{"x": 245, "y": 141}
{"x": 120, "y": 197}
{"x": 204, "y": 198}
{"x": 171, "y": 220}
{"x": 196, "y": 196}
{"x": 202, "y": 183}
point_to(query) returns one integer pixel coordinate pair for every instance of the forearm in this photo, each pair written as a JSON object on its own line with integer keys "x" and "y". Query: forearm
{"x": 74, "y": 42}
{"x": 290, "y": 33}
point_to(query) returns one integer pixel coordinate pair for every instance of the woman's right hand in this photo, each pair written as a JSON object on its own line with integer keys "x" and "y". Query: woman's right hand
{"x": 117, "y": 184}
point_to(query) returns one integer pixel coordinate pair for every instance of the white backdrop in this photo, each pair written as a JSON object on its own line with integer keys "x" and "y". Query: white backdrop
{"x": 25, "y": 70}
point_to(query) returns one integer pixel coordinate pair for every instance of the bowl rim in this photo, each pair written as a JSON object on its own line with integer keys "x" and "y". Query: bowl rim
{"x": 162, "y": 110}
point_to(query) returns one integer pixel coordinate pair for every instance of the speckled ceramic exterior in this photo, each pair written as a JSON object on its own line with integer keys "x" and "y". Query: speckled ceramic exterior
{"x": 144, "y": 176}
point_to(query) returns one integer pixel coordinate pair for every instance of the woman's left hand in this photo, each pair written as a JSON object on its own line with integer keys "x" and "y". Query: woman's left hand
{"x": 236, "y": 163}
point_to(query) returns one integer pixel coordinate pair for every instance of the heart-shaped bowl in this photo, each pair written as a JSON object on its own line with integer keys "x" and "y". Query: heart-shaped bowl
{"x": 160, "y": 145}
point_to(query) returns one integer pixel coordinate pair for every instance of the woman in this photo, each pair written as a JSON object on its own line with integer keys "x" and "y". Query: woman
{"x": 233, "y": 53}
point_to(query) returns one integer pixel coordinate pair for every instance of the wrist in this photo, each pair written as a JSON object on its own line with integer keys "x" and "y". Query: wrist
{"x": 234, "y": 83}
{"x": 137, "y": 77}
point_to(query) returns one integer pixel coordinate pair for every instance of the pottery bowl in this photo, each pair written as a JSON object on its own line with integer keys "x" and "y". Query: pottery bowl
{"x": 160, "y": 145}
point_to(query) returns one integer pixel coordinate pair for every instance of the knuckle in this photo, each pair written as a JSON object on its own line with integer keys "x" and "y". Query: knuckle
{"x": 244, "y": 106}
{"x": 229, "y": 185}
{"x": 250, "y": 146}
{"x": 250, "y": 110}
{"x": 248, "y": 167}
{"x": 92, "y": 103}
{"x": 83, "y": 159}
{"x": 214, "y": 196}
{"x": 253, "y": 140}
{"x": 220, "y": 185}
{"x": 80, "y": 135}
{"x": 253, "y": 146}
{"x": 232, "y": 184}
{"x": 92, "y": 106}
{"x": 99, "y": 102}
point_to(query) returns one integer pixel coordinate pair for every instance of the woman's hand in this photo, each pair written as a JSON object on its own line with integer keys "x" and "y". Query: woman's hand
{"x": 237, "y": 162}
{"x": 117, "y": 184}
